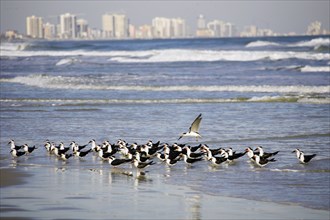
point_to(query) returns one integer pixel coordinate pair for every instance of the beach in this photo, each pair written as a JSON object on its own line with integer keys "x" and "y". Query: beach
{"x": 272, "y": 92}
{"x": 64, "y": 193}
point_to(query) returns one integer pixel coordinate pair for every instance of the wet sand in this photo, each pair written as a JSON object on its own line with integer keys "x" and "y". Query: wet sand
{"x": 9, "y": 177}
{"x": 61, "y": 193}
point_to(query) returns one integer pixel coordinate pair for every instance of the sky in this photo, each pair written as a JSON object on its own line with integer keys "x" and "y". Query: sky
{"x": 282, "y": 16}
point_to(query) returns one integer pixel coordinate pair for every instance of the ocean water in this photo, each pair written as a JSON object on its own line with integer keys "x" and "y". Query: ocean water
{"x": 273, "y": 92}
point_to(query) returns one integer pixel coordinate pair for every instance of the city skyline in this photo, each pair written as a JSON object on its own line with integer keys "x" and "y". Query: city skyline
{"x": 117, "y": 26}
{"x": 280, "y": 16}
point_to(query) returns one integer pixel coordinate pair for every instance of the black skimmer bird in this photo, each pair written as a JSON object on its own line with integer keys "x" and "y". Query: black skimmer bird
{"x": 302, "y": 157}
{"x": 150, "y": 151}
{"x": 104, "y": 155}
{"x": 234, "y": 155}
{"x": 262, "y": 153}
{"x": 141, "y": 158}
{"x": 82, "y": 154}
{"x": 75, "y": 147}
{"x": 153, "y": 145}
{"x": 214, "y": 152}
{"x": 62, "y": 148}
{"x": 190, "y": 161}
{"x": 250, "y": 153}
{"x": 141, "y": 165}
{"x": 231, "y": 158}
{"x": 48, "y": 146}
{"x": 116, "y": 162}
{"x": 171, "y": 162}
{"x": 191, "y": 154}
{"x": 13, "y": 146}
{"x": 161, "y": 157}
{"x": 28, "y": 149}
{"x": 95, "y": 147}
{"x": 65, "y": 156}
{"x": 193, "y": 130}
{"x": 195, "y": 148}
{"x": 171, "y": 152}
{"x": 58, "y": 151}
{"x": 260, "y": 161}
{"x": 217, "y": 160}
{"x": 16, "y": 153}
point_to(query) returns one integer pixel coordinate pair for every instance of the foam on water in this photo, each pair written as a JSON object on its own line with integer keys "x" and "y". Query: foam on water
{"x": 315, "y": 69}
{"x": 314, "y": 43}
{"x": 61, "y": 82}
{"x": 67, "y": 61}
{"x": 261, "y": 43}
{"x": 175, "y": 55}
{"x": 82, "y": 102}
{"x": 317, "y": 42}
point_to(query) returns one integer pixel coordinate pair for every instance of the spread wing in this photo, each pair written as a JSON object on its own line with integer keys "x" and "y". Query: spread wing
{"x": 195, "y": 125}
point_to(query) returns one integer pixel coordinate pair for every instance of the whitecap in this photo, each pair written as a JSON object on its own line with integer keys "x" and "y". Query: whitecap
{"x": 315, "y": 69}
{"x": 66, "y": 61}
{"x": 176, "y": 55}
{"x": 317, "y": 42}
{"x": 67, "y": 82}
{"x": 260, "y": 43}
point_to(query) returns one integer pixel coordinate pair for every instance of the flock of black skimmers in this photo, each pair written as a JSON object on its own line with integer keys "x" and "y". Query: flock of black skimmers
{"x": 142, "y": 155}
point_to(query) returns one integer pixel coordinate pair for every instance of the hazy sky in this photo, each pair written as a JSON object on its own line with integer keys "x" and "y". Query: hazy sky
{"x": 282, "y": 16}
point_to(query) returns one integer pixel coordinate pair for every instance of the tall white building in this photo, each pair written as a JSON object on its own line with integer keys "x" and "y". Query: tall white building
{"x": 34, "y": 27}
{"x": 68, "y": 26}
{"x": 49, "y": 31}
{"x": 231, "y": 30}
{"x": 217, "y": 28}
{"x": 201, "y": 22}
{"x": 178, "y": 28}
{"x": 161, "y": 27}
{"x": 115, "y": 26}
{"x": 82, "y": 28}
{"x": 314, "y": 28}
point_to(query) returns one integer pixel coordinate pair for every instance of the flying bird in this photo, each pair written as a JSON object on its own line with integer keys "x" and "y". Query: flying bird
{"x": 193, "y": 130}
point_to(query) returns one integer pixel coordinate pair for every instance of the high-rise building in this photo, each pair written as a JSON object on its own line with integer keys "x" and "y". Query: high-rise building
{"x": 217, "y": 28}
{"x": 34, "y": 27}
{"x": 82, "y": 28}
{"x": 115, "y": 26}
{"x": 68, "y": 26}
{"x": 202, "y": 30}
{"x": 178, "y": 28}
{"x": 250, "y": 31}
{"x": 161, "y": 27}
{"x": 145, "y": 32}
{"x": 49, "y": 31}
{"x": 201, "y": 22}
{"x": 314, "y": 28}
{"x": 231, "y": 30}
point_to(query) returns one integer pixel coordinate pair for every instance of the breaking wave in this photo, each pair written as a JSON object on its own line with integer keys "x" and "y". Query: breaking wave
{"x": 175, "y": 55}
{"x": 260, "y": 43}
{"x": 315, "y": 69}
{"x": 85, "y": 83}
{"x": 81, "y": 102}
{"x": 313, "y": 43}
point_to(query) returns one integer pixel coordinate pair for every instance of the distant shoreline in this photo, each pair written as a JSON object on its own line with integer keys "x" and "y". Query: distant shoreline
{"x": 161, "y": 39}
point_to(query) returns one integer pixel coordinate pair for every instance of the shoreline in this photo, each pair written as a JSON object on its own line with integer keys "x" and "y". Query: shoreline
{"x": 149, "y": 192}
